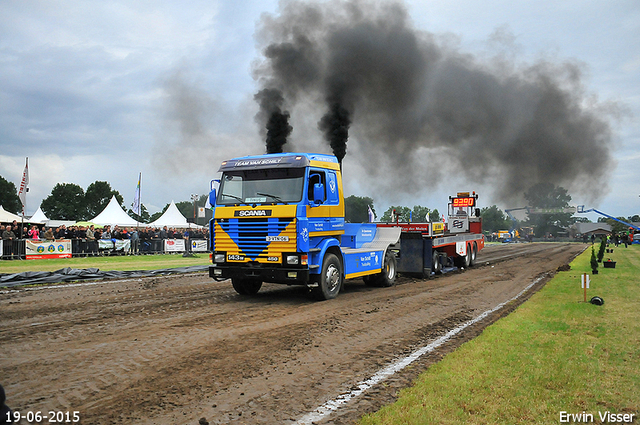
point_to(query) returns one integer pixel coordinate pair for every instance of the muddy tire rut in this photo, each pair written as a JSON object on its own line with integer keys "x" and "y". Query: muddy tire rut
{"x": 172, "y": 350}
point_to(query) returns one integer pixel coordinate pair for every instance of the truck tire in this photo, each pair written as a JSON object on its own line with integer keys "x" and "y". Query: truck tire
{"x": 464, "y": 260}
{"x": 436, "y": 266}
{"x": 246, "y": 286}
{"x": 330, "y": 279}
{"x": 474, "y": 255}
{"x": 387, "y": 276}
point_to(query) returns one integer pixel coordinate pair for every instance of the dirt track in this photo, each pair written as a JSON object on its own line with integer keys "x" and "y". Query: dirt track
{"x": 172, "y": 350}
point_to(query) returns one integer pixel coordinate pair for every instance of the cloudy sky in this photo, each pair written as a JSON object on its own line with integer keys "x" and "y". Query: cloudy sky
{"x": 105, "y": 90}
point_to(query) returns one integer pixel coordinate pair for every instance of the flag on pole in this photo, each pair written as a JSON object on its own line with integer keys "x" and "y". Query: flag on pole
{"x": 22, "y": 194}
{"x": 136, "y": 198}
{"x": 371, "y": 215}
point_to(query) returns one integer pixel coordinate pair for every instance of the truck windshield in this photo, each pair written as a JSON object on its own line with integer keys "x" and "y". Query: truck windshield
{"x": 280, "y": 185}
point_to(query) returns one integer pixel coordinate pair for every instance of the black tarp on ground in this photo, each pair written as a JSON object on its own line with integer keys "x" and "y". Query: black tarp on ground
{"x": 72, "y": 275}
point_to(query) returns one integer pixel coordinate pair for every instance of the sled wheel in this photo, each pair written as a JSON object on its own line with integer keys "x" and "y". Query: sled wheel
{"x": 436, "y": 266}
{"x": 474, "y": 255}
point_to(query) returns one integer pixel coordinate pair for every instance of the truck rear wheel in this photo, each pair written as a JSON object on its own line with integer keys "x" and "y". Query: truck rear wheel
{"x": 330, "y": 279}
{"x": 387, "y": 276}
{"x": 246, "y": 286}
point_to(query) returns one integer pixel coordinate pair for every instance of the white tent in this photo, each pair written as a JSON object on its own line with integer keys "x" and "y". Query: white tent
{"x": 39, "y": 217}
{"x": 7, "y": 217}
{"x": 172, "y": 217}
{"x": 114, "y": 214}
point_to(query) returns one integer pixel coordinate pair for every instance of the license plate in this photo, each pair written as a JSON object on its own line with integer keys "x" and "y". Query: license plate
{"x": 277, "y": 238}
{"x": 235, "y": 257}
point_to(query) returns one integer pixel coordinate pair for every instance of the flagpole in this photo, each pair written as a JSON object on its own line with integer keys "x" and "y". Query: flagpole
{"x": 138, "y": 201}
{"x": 138, "y": 206}
{"x": 23, "y": 199}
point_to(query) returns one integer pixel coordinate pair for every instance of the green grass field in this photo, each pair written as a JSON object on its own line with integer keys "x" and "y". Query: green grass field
{"x": 553, "y": 354}
{"x": 125, "y": 262}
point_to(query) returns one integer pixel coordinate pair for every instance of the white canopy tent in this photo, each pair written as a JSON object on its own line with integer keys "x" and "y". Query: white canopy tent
{"x": 39, "y": 216}
{"x": 172, "y": 217}
{"x": 8, "y": 217}
{"x": 113, "y": 214}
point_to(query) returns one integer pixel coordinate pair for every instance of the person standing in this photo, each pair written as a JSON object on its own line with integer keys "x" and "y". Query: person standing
{"x": 135, "y": 241}
{"x": 90, "y": 234}
{"x": 8, "y": 238}
{"x": 164, "y": 233}
{"x": 48, "y": 234}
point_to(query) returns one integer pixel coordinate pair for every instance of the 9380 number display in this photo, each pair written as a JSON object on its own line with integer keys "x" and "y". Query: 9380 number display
{"x": 463, "y": 202}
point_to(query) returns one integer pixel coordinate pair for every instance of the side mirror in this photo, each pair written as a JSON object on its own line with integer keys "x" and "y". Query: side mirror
{"x": 212, "y": 197}
{"x": 318, "y": 193}
{"x": 477, "y": 212}
{"x": 212, "y": 193}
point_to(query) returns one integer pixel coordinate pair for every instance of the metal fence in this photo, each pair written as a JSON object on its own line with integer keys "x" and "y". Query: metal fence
{"x": 17, "y": 249}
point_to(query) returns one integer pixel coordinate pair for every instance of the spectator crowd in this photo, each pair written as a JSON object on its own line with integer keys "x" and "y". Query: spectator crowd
{"x": 91, "y": 240}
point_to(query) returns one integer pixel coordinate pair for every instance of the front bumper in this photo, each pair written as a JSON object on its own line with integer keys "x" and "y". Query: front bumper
{"x": 285, "y": 275}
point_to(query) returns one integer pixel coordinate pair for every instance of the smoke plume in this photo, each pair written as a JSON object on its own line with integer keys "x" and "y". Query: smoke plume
{"x": 277, "y": 125}
{"x": 414, "y": 103}
{"x": 335, "y": 126}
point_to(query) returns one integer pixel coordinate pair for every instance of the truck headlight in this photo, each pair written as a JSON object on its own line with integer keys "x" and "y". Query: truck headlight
{"x": 219, "y": 257}
{"x": 293, "y": 260}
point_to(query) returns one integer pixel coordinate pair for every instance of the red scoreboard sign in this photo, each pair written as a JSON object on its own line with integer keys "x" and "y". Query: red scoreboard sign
{"x": 463, "y": 202}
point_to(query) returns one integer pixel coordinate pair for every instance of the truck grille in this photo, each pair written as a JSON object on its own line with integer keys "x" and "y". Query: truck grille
{"x": 250, "y": 235}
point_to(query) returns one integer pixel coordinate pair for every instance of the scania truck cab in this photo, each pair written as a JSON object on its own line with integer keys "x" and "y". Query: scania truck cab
{"x": 279, "y": 218}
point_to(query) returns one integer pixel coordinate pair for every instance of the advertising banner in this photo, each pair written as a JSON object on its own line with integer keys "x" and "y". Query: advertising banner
{"x": 122, "y": 245}
{"x": 105, "y": 244}
{"x": 37, "y": 250}
{"x": 199, "y": 245}
{"x": 174, "y": 245}
{"x": 114, "y": 244}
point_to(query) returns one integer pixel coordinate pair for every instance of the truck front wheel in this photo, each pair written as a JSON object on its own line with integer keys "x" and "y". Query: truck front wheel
{"x": 330, "y": 279}
{"x": 246, "y": 286}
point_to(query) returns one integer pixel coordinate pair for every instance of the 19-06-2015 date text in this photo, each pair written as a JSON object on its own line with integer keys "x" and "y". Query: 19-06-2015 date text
{"x": 51, "y": 416}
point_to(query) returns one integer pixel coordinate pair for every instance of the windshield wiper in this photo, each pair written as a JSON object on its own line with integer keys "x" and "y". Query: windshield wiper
{"x": 233, "y": 196}
{"x": 271, "y": 196}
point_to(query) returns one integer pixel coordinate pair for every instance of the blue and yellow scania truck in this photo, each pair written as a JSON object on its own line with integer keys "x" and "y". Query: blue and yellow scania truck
{"x": 279, "y": 218}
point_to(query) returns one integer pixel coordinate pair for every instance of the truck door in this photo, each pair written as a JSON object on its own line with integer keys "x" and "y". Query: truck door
{"x": 323, "y": 217}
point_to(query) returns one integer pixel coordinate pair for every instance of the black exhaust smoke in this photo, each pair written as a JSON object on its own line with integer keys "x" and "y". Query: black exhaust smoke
{"x": 277, "y": 122}
{"x": 335, "y": 126}
{"x": 410, "y": 100}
